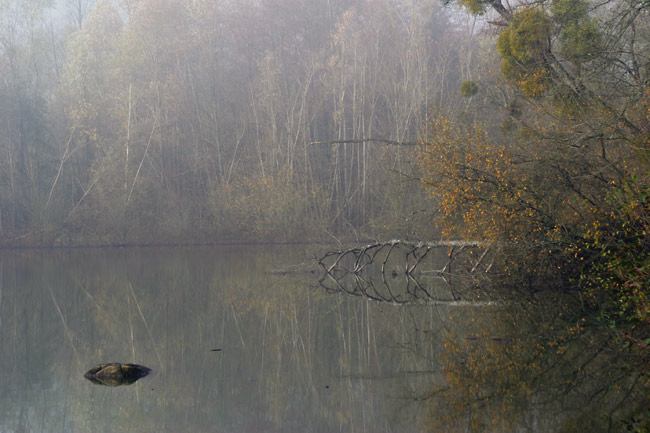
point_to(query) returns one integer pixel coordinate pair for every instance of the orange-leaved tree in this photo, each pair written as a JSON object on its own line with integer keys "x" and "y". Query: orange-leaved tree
{"x": 549, "y": 159}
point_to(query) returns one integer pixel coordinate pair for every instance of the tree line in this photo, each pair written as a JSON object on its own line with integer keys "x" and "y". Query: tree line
{"x": 549, "y": 161}
{"x": 160, "y": 121}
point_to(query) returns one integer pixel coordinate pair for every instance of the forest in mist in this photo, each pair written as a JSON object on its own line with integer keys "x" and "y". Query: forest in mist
{"x": 522, "y": 128}
{"x": 163, "y": 121}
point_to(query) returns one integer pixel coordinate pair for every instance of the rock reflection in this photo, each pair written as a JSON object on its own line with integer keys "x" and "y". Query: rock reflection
{"x": 116, "y": 374}
{"x": 293, "y": 358}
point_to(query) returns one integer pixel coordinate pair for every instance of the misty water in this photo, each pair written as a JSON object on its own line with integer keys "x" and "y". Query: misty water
{"x": 292, "y": 356}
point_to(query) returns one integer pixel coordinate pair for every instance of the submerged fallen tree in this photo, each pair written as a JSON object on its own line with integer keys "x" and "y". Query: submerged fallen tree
{"x": 400, "y": 272}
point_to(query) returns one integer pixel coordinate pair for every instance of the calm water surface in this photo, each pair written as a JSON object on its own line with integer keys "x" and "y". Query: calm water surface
{"x": 294, "y": 357}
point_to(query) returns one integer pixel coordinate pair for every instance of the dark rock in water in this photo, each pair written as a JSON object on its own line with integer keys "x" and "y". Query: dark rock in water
{"x": 116, "y": 374}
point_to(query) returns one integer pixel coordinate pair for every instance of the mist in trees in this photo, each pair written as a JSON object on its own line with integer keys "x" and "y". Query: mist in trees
{"x": 519, "y": 127}
{"x": 149, "y": 121}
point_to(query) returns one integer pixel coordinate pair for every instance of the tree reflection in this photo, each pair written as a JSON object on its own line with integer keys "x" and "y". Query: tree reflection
{"x": 510, "y": 361}
{"x": 292, "y": 357}
{"x": 540, "y": 365}
{"x": 402, "y": 272}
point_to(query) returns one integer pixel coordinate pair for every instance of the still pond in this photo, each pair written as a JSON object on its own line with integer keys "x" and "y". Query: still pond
{"x": 235, "y": 343}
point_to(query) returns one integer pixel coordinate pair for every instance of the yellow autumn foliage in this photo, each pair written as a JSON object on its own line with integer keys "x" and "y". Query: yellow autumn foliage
{"x": 481, "y": 191}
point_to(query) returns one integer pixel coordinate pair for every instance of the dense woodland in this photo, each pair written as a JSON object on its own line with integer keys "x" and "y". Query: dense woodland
{"x": 523, "y": 125}
{"x": 161, "y": 121}
{"x": 558, "y": 177}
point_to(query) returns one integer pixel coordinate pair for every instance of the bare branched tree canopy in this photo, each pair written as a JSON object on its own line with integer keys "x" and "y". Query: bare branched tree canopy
{"x": 162, "y": 120}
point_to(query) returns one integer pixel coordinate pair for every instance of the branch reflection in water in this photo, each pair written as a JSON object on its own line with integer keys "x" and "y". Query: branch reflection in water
{"x": 520, "y": 362}
{"x": 294, "y": 357}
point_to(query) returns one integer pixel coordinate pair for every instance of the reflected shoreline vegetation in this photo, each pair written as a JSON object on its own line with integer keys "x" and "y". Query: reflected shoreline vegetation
{"x": 503, "y": 146}
{"x": 294, "y": 355}
{"x": 512, "y": 360}
{"x": 292, "y": 359}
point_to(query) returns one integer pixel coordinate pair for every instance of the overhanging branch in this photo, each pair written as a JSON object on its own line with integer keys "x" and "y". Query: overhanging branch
{"x": 369, "y": 140}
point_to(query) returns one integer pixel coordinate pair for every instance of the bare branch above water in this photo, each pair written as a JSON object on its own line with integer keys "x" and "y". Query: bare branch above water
{"x": 368, "y": 140}
{"x": 441, "y": 272}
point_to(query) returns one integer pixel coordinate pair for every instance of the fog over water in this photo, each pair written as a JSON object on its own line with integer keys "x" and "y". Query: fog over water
{"x": 324, "y": 216}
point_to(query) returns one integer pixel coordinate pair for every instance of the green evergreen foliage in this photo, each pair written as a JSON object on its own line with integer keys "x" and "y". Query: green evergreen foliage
{"x": 524, "y": 46}
{"x": 476, "y": 7}
{"x": 579, "y": 35}
{"x": 468, "y": 89}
